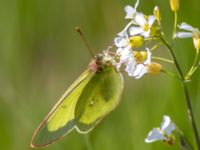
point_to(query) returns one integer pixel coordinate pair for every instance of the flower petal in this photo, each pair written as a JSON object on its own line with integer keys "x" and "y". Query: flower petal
{"x": 130, "y": 67}
{"x": 154, "y": 135}
{"x": 146, "y": 34}
{"x": 184, "y": 35}
{"x": 120, "y": 42}
{"x": 140, "y": 70}
{"x": 186, "y": 26}
{"x": 125, "y": 54}
{"x": 135, "y": 31}
{"x": 140, "y": 19}
{"x": 130, "y": 12}
{"x": 151, "y": 20}
{"x": 166, "y": 122}
{"x": 148, "y": 60}
{"x": 167, "y": 126}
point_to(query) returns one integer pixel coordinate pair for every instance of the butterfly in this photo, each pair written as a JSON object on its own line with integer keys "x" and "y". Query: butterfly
{"x": 95, "y": 93}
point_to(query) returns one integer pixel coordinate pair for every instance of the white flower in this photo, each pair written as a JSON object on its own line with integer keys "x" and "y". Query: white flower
{"x": 125, "y": 55}
{"x": 190, "y": 32}
{"x": 138, "y": 65}
{"x": 130, "y": 11}
{"x": 136, "y": 62}
{"x": 143, "y": 25}
{"x": 122, "y": 40}
{"x": 162, "y": 133}
{"x": 124, "y": 50}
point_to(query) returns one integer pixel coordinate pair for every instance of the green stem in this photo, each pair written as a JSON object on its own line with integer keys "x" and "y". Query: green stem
{"x": 163, "y": 59}
{"x": 155, "y": 46}
{"x": 187, "y": 97}
{"x": 173, "y": 57}
{"x": 171, "y": 74}
{"x": 183, "y": 142}
{"x": 175, "y": 24}
{"x": 87, "y": 142}
{"x": 194, "y": 66}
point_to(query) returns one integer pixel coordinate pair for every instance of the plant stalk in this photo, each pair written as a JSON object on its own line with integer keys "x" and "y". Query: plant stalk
{"x": 87, "y": 142}
{"x": 194, "y": 66}
{"x": 186, "y": 93}
{"x": 175, "y": 24}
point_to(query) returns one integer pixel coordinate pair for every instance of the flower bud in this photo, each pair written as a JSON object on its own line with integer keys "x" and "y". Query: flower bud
{"x": 136, "y": 41}
{"x": 154, "y": 68}
{"x": 156, "y": 13}
{"x": 196, "y": 40}
{"x": 174, "y": 5}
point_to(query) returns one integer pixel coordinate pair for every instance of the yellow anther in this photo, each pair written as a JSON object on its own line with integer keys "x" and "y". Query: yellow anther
{"x": 155, "y": 68}
{"x": 174, "y": 5}
{"x": 146, "y": 27}
{"x": 136, "y": 41}
{"x": 146, "y": 17}
{"x": 140, "y": 57}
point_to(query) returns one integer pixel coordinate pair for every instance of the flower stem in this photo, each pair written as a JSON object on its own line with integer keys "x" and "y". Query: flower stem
{"x": 87, "y": 142}
{"x": 171, "y": 74}
{"x": 194, "y": 66}
{"x": 175, "y": 24}
{"x": 187, "y": 97}
{"x": 163, "y": 59}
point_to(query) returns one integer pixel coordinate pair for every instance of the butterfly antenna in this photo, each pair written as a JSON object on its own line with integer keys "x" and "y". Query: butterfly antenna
{"x": 85, "y": 41}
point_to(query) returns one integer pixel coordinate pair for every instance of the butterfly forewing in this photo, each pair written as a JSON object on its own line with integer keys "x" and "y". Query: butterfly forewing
{"x": 60, "y": 120}
{"x": 99, "y": 97}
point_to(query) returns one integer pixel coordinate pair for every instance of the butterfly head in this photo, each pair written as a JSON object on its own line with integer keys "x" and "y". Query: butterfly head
{"x": 100, "y": 62}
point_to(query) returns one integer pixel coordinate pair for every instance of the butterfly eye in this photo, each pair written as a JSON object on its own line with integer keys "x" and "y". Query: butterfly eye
{"x": 91, "y": 104}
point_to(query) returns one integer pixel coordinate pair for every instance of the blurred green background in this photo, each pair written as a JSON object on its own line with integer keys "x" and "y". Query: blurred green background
{"x": 41, "y": 55}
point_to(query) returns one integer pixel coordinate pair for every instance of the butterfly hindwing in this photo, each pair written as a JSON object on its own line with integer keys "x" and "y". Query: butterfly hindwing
{"x": 60, "y": 120}
{"x": 100, "y": 96}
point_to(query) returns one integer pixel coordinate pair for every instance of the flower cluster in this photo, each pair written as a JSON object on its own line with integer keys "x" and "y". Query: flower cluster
{"x": 140, "y": 29}
{"x": 135, "y": 56}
